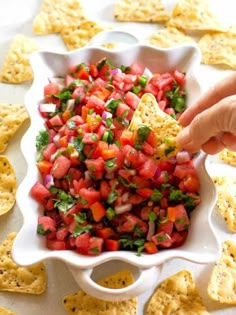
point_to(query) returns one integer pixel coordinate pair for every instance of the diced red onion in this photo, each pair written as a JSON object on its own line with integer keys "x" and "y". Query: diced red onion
{"x": 47, "y": 108}
{"x": 70, "y": 139}
{"x": 132, "y": 172}
{"x": 106, "y": 115}
{"x": 182, "y": 157}
{"x": 147, "y": 73}
{"x": 53, "y": 156}
{"x": 115, "y": 71}
{"x": 48, "y": 181}
{"x": 56, "y": 139}
{"x": 70, "y": 104}
{"x": 123, "y": 208}
{"x": 151, "y": 230}
{"x": 110, "y": 175}
{"x": 162, "y": 214}
{"x": 59, "y": 81}
{"x": 87, "y": 175}
{"x": 157, "y": 173}
{"x": 125, "y": 197}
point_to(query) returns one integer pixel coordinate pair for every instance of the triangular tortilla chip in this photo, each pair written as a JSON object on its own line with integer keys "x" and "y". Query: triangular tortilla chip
{"x": 222, "y": 284}
{"x": 228, "y": 157}
{"x": 79, "y": 35}
{"x": 177, "y": 294}
{"x": 19, "y": 279}
{"x": 7, "y": 185}
{"x": 55, "y": 15}
{"x": 165, "y": 127}
{"x": 12, "y": 117}
{"x": 226, "y": 199}
{"x": 194, "y": 15}
{"x": 140, "y": 11}
{"x": 16, "y": 67}
{"x": 81, "y": 303}
{"x": 169, "y": 37}
{"x": 219, "y": 49}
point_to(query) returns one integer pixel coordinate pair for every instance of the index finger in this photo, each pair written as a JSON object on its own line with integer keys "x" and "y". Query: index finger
{"x": 213, "y": 95}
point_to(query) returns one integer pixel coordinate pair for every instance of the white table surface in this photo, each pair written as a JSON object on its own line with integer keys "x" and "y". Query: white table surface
{"x": 16, "y": 17}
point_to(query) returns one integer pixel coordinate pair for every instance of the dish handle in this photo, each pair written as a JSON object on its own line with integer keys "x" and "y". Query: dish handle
{"x": 146, "y": 280}
{"x": 116, "y": 37}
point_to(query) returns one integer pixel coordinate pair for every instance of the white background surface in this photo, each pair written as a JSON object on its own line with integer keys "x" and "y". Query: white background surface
{"x": 16, "y": 17}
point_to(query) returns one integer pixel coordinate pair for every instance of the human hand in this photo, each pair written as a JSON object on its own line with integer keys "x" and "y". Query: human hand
{"x": 210, "y": 123}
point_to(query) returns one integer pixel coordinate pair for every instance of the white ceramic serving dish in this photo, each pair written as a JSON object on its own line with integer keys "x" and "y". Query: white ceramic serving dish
{"x": 201, "y": 245}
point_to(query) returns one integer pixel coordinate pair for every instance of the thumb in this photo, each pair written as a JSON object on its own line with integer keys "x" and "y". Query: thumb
{"x": 210, "y": 123}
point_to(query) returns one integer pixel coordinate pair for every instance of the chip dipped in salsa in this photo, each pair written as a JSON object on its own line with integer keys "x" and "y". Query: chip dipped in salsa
{"x": 101, "y": 190}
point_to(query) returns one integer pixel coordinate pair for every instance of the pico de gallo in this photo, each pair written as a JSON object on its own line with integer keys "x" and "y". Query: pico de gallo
{"x": 100, "y": 189}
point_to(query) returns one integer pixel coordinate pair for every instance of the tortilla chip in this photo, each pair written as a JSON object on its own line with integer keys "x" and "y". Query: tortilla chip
{"x": 7, "y": 185}
{"x": 110, "y": 45}
{"x": 55, "y": 15}
{"x": 219, "y": 49}
{"x": 79, "y": 35}
{"x": 12, "y": 117}
{"x": 226, "y": 200}
{"x": 169, "y": 37}
{"x": 140, "y": 11}
{"x": 15, "y": 278}
{"x": 222, "y": 284}
{"x": 177, "y": 294}
{"x": 228, "y": 157}
{"x": 166, "y": 128}
{"x": 4, "y": 311}
{"x": 16, "y": 67}
{"x": 194, "y": 15}
{"x": 81, "y": 303}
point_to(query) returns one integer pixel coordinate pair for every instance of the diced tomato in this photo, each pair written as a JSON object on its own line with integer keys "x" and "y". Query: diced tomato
{"x": 93, "y": 70}
{"x": 82, "y": 243}
{"x": 54, "y": 244}
{"x": 49, "y": 150}
{"x": 190, "y": 183}
{"x": 62, "y": 233}
{"x": 98, "y": 211}
{"x": 105, "y": 232}
{"x": 127, "y": 137}
{"x": 166, "y": 226}
{"x": 44, "y": 166}
{"x": 162, "y": 239}
{"x": 150, "y": 248}
{"x": 132, "y": 100}
{"x": 95, "y": 245}
{"x": 148, "y": 149}
{"x": 51, "y": 88}
{"x": 105, "y": 189}
{"x": 184, "y": 169}
{"x": 40, "y": 193}
{"x": 96, "y": 167}
{"x": 148, "y": 169}
{"x": 46, "y": 225}
{"x": 136, "y": 68}
{"x": 111, "y": 245}
{"x": 181, "y": 218}
{"x": 56, "y": 122}
{"x": 96, "y": 103}
{"x": 179, "y": 77}
{"x": 89, "y": 196}
{"x": 144, "y": 192}
{"x": 60, "y": 166}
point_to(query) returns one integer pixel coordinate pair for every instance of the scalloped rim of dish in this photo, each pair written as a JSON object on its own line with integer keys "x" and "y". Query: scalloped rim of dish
{"x": 201, "y": 245}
